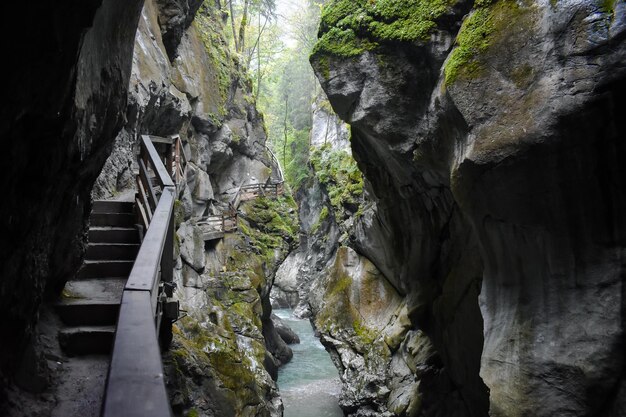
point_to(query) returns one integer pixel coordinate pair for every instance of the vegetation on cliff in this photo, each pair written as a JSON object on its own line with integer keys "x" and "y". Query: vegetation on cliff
{"x": 481, "y": 30}
{"x": 338, "y": 173}
{"x": 349, "y": 28}
{"x": 270, "y": 224}
{"x": 219, "y": 349}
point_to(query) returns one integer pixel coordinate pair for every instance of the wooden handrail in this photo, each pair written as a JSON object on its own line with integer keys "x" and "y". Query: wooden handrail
{"x": 275, "y": 160}
{"x": 227, "y": 221}
{"x": 135, "y": 384}
{"x": 179, "y": 161}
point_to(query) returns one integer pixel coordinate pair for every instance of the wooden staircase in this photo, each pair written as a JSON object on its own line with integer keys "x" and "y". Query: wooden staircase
{"x": 91, "y": 300}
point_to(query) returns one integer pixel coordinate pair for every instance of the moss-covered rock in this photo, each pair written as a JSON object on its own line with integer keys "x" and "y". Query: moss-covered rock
{"x": 338, "y": 173}
{"x": 211, "y": 360}
{"x": 271, "y": 224}
{"x": 481, "y": 30}
{"x": 349, "y": 28}
{"x": 363, "y": 321}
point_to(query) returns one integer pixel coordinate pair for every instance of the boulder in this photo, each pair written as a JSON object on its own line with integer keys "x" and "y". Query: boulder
{"x": 284, "y": 331}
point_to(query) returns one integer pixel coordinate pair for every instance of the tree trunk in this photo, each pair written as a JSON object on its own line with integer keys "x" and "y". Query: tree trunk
{"x": 285, "y": 132}
{"x": 242, "y": 27}
{"x": 232, "y": 24}
{"x": 258, "y": 58}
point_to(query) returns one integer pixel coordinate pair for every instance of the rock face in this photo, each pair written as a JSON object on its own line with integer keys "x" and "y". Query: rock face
{"x": 323, "y": 226}
{"x": 493, "y": 148}
{"x": 327, "y": 128}
{"x": 226, "y": 352}
{"x": 66, "y": 96}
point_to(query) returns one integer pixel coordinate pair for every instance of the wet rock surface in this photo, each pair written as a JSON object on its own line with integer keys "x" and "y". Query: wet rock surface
{"x": 62, "y": 115}
{"x": 284, "y": 331}
{"x": 500, "y": 179}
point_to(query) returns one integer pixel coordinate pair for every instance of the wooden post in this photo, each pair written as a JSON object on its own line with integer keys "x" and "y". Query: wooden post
{"x": 167, "y": 259}
{"x": 177, "y": 161}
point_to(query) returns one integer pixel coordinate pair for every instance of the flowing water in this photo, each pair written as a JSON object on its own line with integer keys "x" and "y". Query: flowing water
{"x": 309, "y": 383}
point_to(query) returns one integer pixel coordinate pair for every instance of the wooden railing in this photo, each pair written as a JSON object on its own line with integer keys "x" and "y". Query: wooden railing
{"x": 214, "y": 227}
{"x": 172, "y": 155}
{"x": 276, "y": 163}
{"x": 252, "y": 191}
{"x": 179, "y": 162}
{"x": 135, "y": 385}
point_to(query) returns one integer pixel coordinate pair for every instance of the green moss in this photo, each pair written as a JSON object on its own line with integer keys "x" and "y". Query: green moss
{"x": 350, "y": 27}
{"x": 607, "y": 6}
{"x": 477, "y": 34}
{"x": 210, "y": 31}
{"x": 367, "y": 335}
{"x": 193, "y": 413}
{"x": 325, "y": 105}
{"x": 270, "y": 224}
{"x": 324, "y": 213}
{"x": 179, "y": 213}
{"x": 471, "y": 40}
{"x": 337, "y": 171}
{"x": 322, "y": 216}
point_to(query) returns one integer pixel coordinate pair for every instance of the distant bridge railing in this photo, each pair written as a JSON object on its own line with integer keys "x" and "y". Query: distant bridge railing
{"x": 252, "y": 191}
{"x": 215, "y": 226}
{"x": 135, "y": 384}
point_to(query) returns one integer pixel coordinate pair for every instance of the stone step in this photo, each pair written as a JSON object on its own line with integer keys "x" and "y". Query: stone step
{"x": 113, "y": 235}
{"x": 85, "y": 340}
{"x": 106, "y": 206}
{"x": 105, "y": 268}
{"x": 91, "y": 301}
{"x": 88, "y": 312}
{"x": 107, "y": 289}
{"x": 112, "y": 251}
{"x": 112, "y": 219}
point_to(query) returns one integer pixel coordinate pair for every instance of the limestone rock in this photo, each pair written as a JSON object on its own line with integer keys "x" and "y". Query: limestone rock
{"x": 175, "y": 18}
{"x": 327, "y": 128}
{"x": 58, "y": 127}
{"x": 191, "y": 246}
{"x": 289, "y": 336}
{"x": 495, "y": 170}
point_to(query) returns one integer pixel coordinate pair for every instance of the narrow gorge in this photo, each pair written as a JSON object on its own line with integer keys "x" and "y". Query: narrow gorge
{"x": 436, "y": 187}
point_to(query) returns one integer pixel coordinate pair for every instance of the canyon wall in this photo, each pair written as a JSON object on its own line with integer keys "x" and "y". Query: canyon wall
{"x": 66, "y": 94}
{"x": 185, "y": 81}
{"x": 492, "y": 145}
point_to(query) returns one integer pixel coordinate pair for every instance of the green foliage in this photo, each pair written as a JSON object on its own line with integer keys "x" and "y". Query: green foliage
{"x": 289, "y": 88}
{"x": 337, "y": 171}
{"x": 350, "y": 27}
{"x": 324, "y": 214}
{"x": 296, "y": 156}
